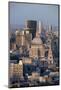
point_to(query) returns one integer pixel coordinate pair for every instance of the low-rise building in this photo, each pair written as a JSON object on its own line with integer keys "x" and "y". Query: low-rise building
{"x": 16, "y": 69}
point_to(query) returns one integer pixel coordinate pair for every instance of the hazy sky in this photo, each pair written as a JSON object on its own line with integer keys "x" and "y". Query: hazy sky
{"x": 19, "y": 12}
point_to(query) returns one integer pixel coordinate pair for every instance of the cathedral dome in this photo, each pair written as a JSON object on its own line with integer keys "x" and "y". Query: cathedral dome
{"x": 37, "y": 40}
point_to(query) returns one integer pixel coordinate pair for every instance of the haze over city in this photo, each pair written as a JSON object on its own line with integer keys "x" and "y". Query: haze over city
{"x": 34, "y": 48}
{"x": 20, "y": 12}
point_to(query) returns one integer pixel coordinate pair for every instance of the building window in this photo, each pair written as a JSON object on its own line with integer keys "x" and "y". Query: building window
{"x": 38, "y": 52}
{"x": 55, "y": 43}
{"x": 46, "y": 54}
{"x": 50, "y": 57}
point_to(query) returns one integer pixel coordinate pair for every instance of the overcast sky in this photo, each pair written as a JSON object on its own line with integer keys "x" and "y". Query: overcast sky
{"x": 19, "y": 12}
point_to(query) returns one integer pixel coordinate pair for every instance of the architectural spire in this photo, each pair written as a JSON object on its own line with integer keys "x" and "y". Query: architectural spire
{"x": 40, "y": 27}
{"x": 26, "y": 23}
{"x": 50, "y": 56}
{"x": 50, "y": 28}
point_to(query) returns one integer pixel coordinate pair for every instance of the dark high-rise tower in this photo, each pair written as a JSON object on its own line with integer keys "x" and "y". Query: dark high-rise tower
{"x": 32, "y": 25}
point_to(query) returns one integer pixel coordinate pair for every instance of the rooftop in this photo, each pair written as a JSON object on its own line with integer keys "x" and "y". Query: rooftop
{"x": 37, "y": 40}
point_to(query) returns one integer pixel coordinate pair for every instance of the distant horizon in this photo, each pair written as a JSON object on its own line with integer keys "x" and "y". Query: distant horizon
{"x": 19, "y": 27}
{"x": 20, "y": 12}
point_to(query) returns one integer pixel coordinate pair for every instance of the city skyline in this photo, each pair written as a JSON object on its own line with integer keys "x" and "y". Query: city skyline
{"x": 34, "y": 49}
{"x": 20, "y": 12}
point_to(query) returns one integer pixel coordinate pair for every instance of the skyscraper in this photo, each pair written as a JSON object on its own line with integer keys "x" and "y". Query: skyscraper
{"x": 32, "y": 25}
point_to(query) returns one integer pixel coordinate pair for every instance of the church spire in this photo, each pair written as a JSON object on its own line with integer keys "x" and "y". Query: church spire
{"x": 50, "y": 56}
{"x": 50, "y": 28}
{"x": 40, "y": 27}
